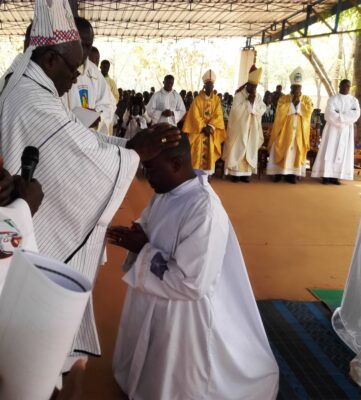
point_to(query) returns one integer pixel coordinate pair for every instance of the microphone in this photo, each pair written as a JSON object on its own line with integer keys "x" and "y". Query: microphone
{"x": 29, "y": 161}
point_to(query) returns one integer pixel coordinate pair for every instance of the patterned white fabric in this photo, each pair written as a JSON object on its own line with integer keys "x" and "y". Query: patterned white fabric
{"x": 84, "y": 176}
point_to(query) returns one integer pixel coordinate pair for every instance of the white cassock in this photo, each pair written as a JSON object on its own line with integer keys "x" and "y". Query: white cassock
{"x": 92, "y": 91}
{"x": 289, "y": 169}
{"x": 16, "y": 232}
{"x": 244, "y": 135}
{"x": 346, "y": 320}
{"x": 335, "y": 158}
{"x": 164, "y": 100}
{"x": 84, "y": 176}
{"x": 190, "y": 327}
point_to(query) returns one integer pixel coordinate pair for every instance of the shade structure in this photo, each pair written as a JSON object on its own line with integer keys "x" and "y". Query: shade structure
{"x": 178, "y": 19}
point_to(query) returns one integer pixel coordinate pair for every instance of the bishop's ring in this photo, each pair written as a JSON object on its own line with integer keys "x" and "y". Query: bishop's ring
{"x": 164, "y": 140}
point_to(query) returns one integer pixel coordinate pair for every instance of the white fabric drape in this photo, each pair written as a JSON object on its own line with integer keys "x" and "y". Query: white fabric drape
{"x": 335, "y": 158}
{"x": 244, "y": 134}
{"x": 346, "y": 320}
{"x": 193, "y": 332}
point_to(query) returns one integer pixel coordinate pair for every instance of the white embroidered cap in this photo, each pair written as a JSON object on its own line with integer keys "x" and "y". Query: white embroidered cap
{"x": 53, "y": 23}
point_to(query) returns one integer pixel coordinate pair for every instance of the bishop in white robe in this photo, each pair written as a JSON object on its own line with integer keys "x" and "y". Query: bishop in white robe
{"x": 166, "y": 105}
{"x": 335, "y": 157}
{"x": 190, "y": 326}
{"x": 85, "y": 176}
{"x": 244, "y": 130}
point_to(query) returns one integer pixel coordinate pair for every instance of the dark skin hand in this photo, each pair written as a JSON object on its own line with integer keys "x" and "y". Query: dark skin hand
{"x": 31, "y": 192}
{"x": 133, "y": 239}
{"x": 6, "y": 186}
{"x": 167, "y": 113}
{"x": 296, "y": 94}
{"x": 252, "y": 97}
{"x": 207, "y": 130}
{"x": 148, "y": 143}
{"x": 296, "y": 99}
{"x": 15, "y": 187}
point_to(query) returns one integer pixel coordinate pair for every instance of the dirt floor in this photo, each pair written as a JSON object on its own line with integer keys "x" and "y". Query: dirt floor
{"x": 292, "y": 236}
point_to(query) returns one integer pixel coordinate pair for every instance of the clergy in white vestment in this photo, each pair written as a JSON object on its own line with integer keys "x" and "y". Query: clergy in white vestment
{"x": 190, "y": 326}
{"x": 84, "y": 175}
{"x": 290, "y": 136}
{"x": 166, "y": 105}
{"x": 91, "y": 90}
{"x": 346, "y": 319}
{"x": 335, "y": 157}
{"x": 244, "y": 130}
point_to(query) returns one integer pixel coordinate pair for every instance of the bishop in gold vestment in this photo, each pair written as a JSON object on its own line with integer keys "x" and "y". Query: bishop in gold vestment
{"x": 204, "y": 126}
{"x": 290, "y": 136}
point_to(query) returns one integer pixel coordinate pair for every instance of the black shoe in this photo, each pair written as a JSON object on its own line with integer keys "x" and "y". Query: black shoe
{"x": 277, "y": 178}
{"x": 325, "y": 181}
{"x": 235, "y": 179}
{"x": 244, "y": 179}
{"x": 291, "y": 179}
{"x": 335, "y": 181}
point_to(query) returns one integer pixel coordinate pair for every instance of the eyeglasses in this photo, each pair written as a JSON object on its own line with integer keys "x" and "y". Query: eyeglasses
{"x": 73, "y": 70}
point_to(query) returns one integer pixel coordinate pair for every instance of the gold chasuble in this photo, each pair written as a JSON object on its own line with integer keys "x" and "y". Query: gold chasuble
{"x": 205, "y": 150}
{"x": 285, "y": 125}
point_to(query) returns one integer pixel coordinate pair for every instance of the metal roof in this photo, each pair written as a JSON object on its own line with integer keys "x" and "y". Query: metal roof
{"x": 174, "y": 18}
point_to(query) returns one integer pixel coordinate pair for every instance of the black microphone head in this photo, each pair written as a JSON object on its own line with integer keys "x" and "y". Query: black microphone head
{"x": 30, "y": 155}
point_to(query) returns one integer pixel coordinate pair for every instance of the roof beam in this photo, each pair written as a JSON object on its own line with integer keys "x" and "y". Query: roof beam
{"x": 309, "y": 20}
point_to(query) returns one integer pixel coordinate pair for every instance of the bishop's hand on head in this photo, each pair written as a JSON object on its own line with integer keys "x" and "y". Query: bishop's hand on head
{"x": 148, "y": 143}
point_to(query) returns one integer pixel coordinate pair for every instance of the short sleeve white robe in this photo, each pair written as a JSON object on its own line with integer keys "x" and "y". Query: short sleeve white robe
{"x": 164, "y": 100}
{"x": 335, "y": 157}
{"x": 92, "y": 91}
{"x": 244, "y": 135}
{"x": 191, "y": 328}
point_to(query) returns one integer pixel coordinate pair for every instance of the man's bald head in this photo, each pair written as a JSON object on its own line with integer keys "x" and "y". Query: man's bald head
{"x": 171, "y": 167}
